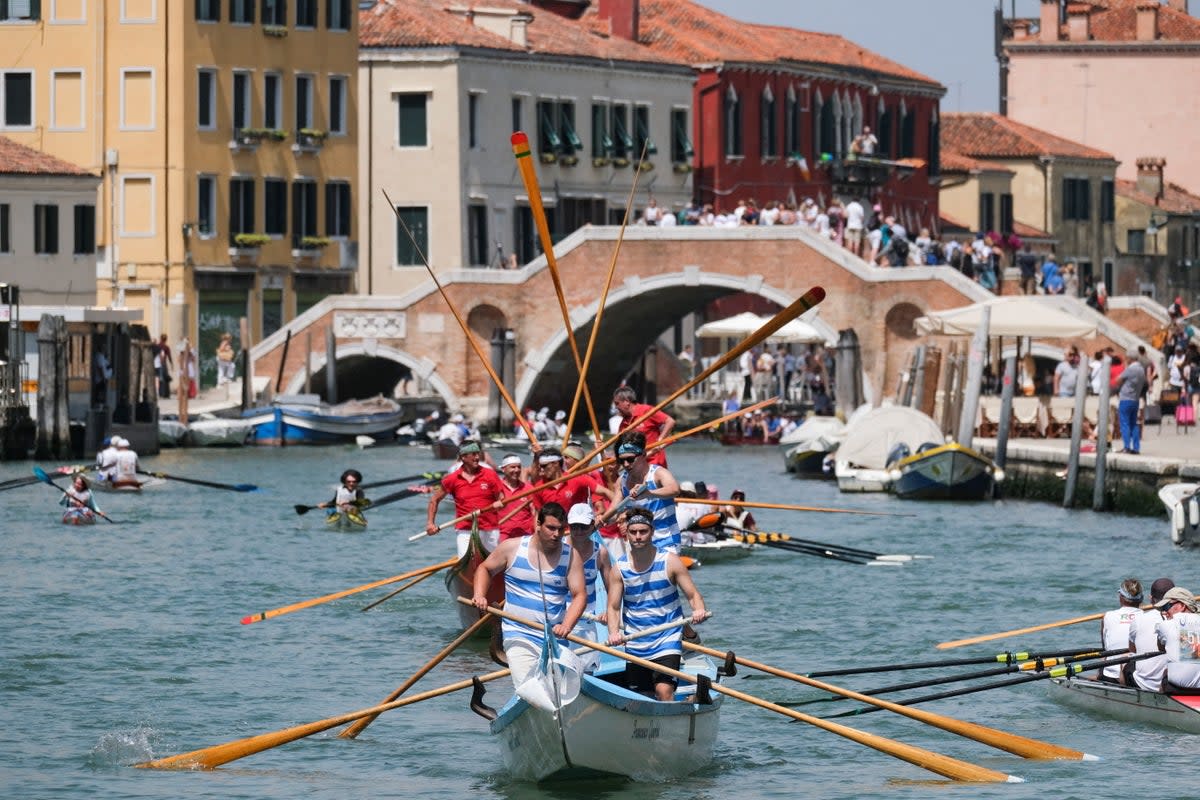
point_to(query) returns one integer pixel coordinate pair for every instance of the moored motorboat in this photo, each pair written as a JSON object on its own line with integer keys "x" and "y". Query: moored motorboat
{"x": 305, "y": 420}
{"x": 1182, "y": 501}
{"x": 346, "y": 521}
{"x": 218, "y": 432}
{"x": 1180, "y": 711}
{"x": 945, "y": 472}
{"x": 610, "y": 730}
{"x": 806, "y": 447}
{"x": 861, "y": 461}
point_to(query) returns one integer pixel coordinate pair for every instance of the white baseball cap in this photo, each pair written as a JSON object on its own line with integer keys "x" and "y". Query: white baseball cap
{"x": 580, "y": 514}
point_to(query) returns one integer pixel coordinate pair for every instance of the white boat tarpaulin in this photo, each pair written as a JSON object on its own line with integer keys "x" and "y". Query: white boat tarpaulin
{"x": 870, "y": 439}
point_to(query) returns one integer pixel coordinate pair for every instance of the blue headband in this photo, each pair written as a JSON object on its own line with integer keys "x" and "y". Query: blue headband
{"x": 1131, "y": 598}
{"x": 629, "y": 449}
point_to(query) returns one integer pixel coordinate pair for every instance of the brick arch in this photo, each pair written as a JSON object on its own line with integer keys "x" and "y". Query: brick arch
{"x": 420, "y": 367}
{"x": 482, "y": 320}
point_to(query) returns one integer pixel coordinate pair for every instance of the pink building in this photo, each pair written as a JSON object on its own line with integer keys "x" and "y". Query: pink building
{"x": 1117, "y": 75}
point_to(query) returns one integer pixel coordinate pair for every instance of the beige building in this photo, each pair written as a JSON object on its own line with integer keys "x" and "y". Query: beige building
{"x": 1117, "y": 75}
{"x": 445, "y": 86}
{"x": 1158, "y": 236}
{"x": 225, "y": 134}
{"x": 1060, "y": 189}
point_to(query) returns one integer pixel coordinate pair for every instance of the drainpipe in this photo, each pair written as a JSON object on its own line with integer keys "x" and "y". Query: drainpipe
{"x": 1044, "y": 163}
{"x": 370, "y": 176}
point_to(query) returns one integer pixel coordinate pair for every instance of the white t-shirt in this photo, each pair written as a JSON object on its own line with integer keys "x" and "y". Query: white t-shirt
{"x": 126, "y": 468}
{"x": 1115, "y": 627}
{"x": 1180, "y": 639}
{"x": 450, "y": 431}
{"x": 854, "y": 216}
{"x": 1143, "y": 638}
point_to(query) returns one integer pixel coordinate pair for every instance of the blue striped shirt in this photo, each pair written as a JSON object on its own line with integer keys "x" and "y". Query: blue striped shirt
{"x": 651, "y": 599}
{"x": 666, "y": 527}
{"x": 523, "y": 585}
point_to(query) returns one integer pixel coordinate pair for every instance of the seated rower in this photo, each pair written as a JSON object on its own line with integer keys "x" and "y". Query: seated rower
{"x": 126, "y": 466}
{"x": 643, "y": 591}
{"x": 348, "y": 498}
{"x": 80, "y": 503}
{"x": 1179, "y": 638}
{"x": 106, "y": 460}
{"x": 1115, "y": 626}
{"x": 543, "y": 581}
{"x": 581, "y": 522}
{"x": 739, "y": 516}
{"x": 1143, "y": 638}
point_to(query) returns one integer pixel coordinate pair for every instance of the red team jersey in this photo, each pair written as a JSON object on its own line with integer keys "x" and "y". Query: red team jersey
{"x": 474, "y": 495}
{"x": 650, "y": 428}
{"x": 521, "y": 523}
{"x": 567, "y": 493}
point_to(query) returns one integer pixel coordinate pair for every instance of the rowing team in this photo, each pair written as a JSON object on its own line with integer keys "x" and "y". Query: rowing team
{"x": 117, "y": 464}
{"x": 1170, "y": 626}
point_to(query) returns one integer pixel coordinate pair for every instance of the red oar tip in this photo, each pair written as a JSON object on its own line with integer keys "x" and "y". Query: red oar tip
{"x": 251, "y": 618}
{"x": 815, "y": 295}
{"x": 519, "y": 138}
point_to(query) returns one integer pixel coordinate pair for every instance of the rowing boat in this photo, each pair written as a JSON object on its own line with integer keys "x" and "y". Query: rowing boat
{"x": 346, "y": 521}
{"x": 1182, "y": 501}
{"x": 125, "y": 485}
{"x": 460, "y": 582}
{"x": 945, "y": 472}
{"x": 1179, "y": 711}
{"x": 610, "y": 730}
{"x": 717, "y": 551}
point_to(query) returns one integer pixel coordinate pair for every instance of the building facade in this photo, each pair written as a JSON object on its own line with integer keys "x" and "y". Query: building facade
{"x": 226, "y": 137}
{"x": 1158, "y": 236}
{"x": 445, "y": 88}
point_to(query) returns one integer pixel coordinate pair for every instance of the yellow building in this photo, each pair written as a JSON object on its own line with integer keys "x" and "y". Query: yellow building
{"x": 225, "y": 133}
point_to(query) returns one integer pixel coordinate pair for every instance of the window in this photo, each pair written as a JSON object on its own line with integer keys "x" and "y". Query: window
{"x": 20, "y": 10}
{"x": 137, "y": 206}
{"x": 622, "y": 141}
{"x": 304, "y": 211}
{"x": 338, "y": 209}
{"x": 45, "y": 229}
{"x": 241, "y": 12}
{"x": 272, "y": 101}
{"x": 137, "y": 99}
{"x": 1077, "y": 199}
{"x": 908, "y": 132}
{"x": 733, "y": 123}
{"x": 884, "y": 134}
{"x": 1135, "y": 242}
{"x": 337, "y": 15}
{"x": 825, "y": 128}
{"x": 337, "y": 105}
{"x": 525, "y": 233}
{"x": 304, "y": 86}
{"x": 306, "y": 14}
{"x": 274, "y": 12}
{"x": 769, "y": 131}
{"x": 241, "y": 100}
{"x": 681, "y": 143}
{"x": 206, "y": 99}
{"x": 1006, "y": 213}
{"x": 66, "y": 100}
{"x": 549, "y": 140}
{"x": 602, "y": 144}
{"x": 641, "y": 128}
{"x": 516, "y": 114}
{"x": 472, "y": 120}
{"x": 566, "y": 122}
{"x": 85, "y": 229}
{"x": 987, "y": 211}
{"x": 935, "y": 146}
{"x": 206, "y": 205}
{"x": 275, "y": 207}
{"x": 5, "y": 232}
{"x": 16, "y": 96}
{"x": 241, "y": 207}
{"x": 791, "y": 124}
{"x": 416, "y": 220}
{"x": 1108, "y": 211}
{"x": 477, "y": 236}
{"x": 208, "y": 10}
{"x": 411, "y": 123}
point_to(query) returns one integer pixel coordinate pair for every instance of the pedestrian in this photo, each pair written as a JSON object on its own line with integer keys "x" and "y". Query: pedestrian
{"x": 1066, "y": 374}
{"x": 1129, "y": 385}
{"x": 1028, "y": 264}
{"x": 164, "y": 365}
{"x": 225, "y": 356}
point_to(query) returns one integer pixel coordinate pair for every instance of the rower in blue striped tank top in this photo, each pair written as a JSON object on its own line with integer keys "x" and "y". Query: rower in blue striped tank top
{"x": 652, "y": 486}
{"x": 534, "y": 594}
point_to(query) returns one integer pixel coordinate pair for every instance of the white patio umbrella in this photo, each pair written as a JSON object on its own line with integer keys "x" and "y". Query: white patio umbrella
{"x": 1011, "y": 316}
{"x": 742, "y": 325}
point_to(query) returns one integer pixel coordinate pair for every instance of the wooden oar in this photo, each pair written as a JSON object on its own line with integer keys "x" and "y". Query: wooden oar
{"x": 1002, "y": 658}
{"x": 233, "y": 487}
{"x": 388, "y": 499}
{"x": 358, "y": 727}
{"x": 1009, "y": 742}
{"x": 277, "y": 612}
{"x": 520, "y": 147}
{"x": 462, "y": 323}
{"x": 1065, "y": 671}
{"x": 786, "y": 507}
{"x": 427, "y": 476}
{"x": 395, "y": 592}
{"x": 926, "y": 759}
{"x": 44, "y": 478}
{"x": 1034, "y": 629}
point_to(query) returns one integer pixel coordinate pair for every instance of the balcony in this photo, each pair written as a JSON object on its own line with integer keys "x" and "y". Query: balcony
{"x": 859, "y": 173}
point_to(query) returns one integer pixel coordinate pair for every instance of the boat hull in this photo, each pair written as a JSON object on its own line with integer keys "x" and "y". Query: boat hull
{"x": 1181, "y": 712}
{"x": 1182, "y": 501}
{"x": 460, "y": 582}
{"x": 78, "y": 516}
{"x": 608, "y": 730}
{"x": 294, "y": 426}
{"x": 806, "y": 462}
{"x": 219, "y": 432}
{"x": 346, "y": 521}
{"x": 948, "y": 472}
{"x": 852, "y": 479}
{"x": 719, "y": 551}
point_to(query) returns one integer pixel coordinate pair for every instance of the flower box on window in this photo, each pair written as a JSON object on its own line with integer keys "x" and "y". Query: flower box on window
{"x": 601, "y": 162}
{"x": 277, "y": 31}
{"x": 247, "y": 138}
{"x": 682, "y": 168}
{"x": 548, "y": 158}
{"x": 620, "y": 161}
{"x": 246, "y": 247}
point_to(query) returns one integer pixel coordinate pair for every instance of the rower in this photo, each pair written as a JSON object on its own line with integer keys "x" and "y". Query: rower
{"x": 581, "y": 521}
{"x": 543, "y": 581}
{"x": 739, "y": 516}
{"x": 512, "y": 481}
{"x": 1179, "y": 638}
{"x": 106, "y": 459}
{"x": 1143, "y": 638}
{"x": 1115, "y": 626}
{"x": 657, "y": 426}
{"x": 78, "y": 499}
{"x": 348, "y": 498}
{"x": 643, "y": 591}
{"x": 652, "y": 484}
{"x": 476, "y": 490}
{"x": 574, "y": 490}
{"x": 125, "y": 468}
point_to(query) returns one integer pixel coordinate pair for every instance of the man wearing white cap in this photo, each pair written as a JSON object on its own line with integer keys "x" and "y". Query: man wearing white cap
{"x": 512, "y": 482}
{"x": 126, "y": 466}
{"x": 106, "y": 459}
{"x": 1179, "y": 638}
{"x": 581, "y": 521}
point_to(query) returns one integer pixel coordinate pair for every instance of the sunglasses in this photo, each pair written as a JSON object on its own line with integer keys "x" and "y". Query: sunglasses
{"x": 626, "y": 459}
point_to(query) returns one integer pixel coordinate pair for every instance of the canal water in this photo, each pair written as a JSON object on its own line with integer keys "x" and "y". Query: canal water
{"x": 123, "y": 643}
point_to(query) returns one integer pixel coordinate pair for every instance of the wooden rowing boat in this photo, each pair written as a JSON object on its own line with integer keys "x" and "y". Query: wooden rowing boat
{"x": 945, "y": 472}
{"x": 460, "y": 582}
{"x": 1179, "y": 711}
{"x": 610, "y": 730}
{"x": 346, "y": 521}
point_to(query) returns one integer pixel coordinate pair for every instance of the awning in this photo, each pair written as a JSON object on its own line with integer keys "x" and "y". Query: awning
{"x": 1011, "y": 316}
{"x": 746, "y": 323}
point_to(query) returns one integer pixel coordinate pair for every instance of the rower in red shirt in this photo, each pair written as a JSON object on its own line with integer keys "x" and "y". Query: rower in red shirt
{"x": 475, "y": 487}
{"x": 657, "y": 426}
{"x": 578, "y": 489}
{"x": 512, "y": 482}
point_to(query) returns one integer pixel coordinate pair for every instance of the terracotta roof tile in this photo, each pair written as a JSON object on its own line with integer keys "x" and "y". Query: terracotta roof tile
{"x": 1175, "y": 198}
{"x": 694, "y": 34}
{"x": 989, "y": 135}
{"x": 952, "y": 161}
{"x": 17, "y": 159}
{"x": 1030, "y": 232}
{"x": 1116, "y": 21}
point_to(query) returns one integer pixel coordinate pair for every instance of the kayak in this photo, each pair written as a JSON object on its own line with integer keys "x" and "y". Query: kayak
{"x": 78, "y": 516}
{"x": 346, "y": 521}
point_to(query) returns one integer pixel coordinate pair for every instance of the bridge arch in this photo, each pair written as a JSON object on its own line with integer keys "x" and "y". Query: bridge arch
{"x": 419, "y": 367}
{"x": 663, "y": 298}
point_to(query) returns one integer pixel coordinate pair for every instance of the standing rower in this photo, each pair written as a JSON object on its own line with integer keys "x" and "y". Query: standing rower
{"x": 512, "y": 481}
{"x": 657, "y": 426}
{"x": 652, "y": 486}
{"x": 475, "y": 488}
{"x": 646, "y": 583}
{"x": 543, "y": 582}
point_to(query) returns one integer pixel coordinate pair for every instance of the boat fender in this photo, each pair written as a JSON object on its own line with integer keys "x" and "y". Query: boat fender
{"x": 477, "y": 705}
{"x": 998, "y": 475}
{"x": 1193, "y": 511}
{"x": 729, "y": 668}
{"x": 1177, "y": 519}
{"x": 898, "y": 453}
{"x": 704, "y": 690}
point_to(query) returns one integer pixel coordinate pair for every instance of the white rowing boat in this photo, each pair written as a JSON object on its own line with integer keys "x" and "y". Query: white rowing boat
{"x": 717, "y": 551}
{"x": 609, "y": 730}
{"x": 1179, "y": 711}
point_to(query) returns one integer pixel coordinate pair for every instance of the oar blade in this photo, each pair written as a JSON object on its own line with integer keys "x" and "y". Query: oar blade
{"x": 302, "y": 509}
{"x": 42, "y": 476}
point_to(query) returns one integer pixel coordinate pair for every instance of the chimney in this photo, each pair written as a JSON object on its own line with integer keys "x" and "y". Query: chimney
{"x": 622, "y": 16}
{"x": 1020, "y": 29}
{"x": 519, "y": 29}
{"x": 1150, "y": 176}
{"x": 1147, "y": 20}
{"x": 1178, "y": 5}
{"x": 1048, "y": 24}
{"x": 1078, "y": 19}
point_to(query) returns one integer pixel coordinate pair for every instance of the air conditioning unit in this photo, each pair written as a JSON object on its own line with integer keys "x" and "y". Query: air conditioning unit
{"x": 348, "y": 254}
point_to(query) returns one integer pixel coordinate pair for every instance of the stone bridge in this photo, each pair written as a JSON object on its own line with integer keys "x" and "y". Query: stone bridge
{"x": 662, "y": 274}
